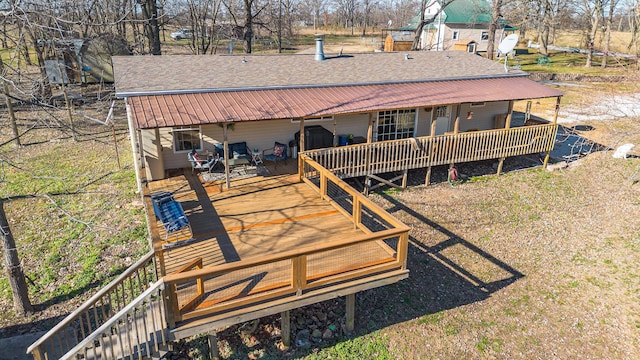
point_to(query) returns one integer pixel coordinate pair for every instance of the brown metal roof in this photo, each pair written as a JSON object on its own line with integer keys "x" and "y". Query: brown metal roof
{"x": 165, "y": 110}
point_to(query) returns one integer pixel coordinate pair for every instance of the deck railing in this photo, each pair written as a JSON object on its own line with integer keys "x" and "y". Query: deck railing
{"x": 96, "y": 311}
{"x": 414, "y": 153}
{"x": 135, "y": 332}
{"x": 283, "y": 277}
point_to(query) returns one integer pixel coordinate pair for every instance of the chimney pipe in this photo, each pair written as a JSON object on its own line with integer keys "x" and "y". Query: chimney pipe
{"x": 319, "y": 50}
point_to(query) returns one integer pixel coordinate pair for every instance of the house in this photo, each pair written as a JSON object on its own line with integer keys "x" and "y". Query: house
{"x": 277, "y": 242}
{"x": 188, "y": 100}
{"x": 460, "y": 20}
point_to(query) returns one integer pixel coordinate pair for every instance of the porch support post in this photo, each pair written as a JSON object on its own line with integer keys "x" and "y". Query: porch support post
{"x": 507, "y": 125}
{"x": 335, "y": 136}
{"x": 226, "y": 155}
{"x": 158, "y": 151}
{"x": 134, "y": 149}
{"x": 456, "y": 128}
{"x": 367, "y": 165}
{"x": 351, "y": 310}
{"x": 285, "y": 325}
{"x": 555, "y": 122}
{"x": 370, "y": 129}
{"x": 430, "y": 146}
{"x": 301, "y": 135}
{"x": 212, "y": 340}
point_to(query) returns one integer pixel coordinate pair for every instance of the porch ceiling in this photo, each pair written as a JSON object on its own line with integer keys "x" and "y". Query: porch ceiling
{"x": 251, "y": 105}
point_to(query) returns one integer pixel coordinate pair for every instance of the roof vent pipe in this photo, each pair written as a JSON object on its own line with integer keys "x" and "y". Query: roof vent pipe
{"x": 319, "y": 50}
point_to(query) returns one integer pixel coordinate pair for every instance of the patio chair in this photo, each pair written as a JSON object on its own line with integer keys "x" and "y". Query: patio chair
{"x": 200, "y": 164}
{"x": 170, "y": 214}
{"x": 277, "y": 153}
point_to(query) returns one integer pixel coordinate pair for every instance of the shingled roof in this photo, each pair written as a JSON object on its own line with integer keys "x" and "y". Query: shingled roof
{"x": 189, "y": 73}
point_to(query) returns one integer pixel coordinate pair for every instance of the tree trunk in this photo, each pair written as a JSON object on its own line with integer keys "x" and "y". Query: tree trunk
{"x": 248, "y": 26}
{"x": 416, "y": 39}
{"x": 595, "y": 22}
{"x": 607, "y": 40}
{"x": 9, "y": 103}
{"x": 17, "y": 281}
{"x": 495, "y": 17}
{"x": 152, "y": 28}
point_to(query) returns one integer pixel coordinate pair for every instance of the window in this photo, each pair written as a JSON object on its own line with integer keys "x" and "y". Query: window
{"x": 477, "y": 104}
{"x": 396, "y": 124}
{"x": 442, "y": 111}
{"x": 186, "y": 138}
{"x": 471, "y": 48}
{"x": 456, "y": 35}
{"x": 484, "y": 36}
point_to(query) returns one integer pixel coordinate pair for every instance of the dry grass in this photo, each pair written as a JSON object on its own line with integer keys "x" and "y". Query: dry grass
{"x": 530, "y": 264}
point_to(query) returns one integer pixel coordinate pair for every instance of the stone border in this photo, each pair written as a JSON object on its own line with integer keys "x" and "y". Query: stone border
{"x": 540, "y": 76}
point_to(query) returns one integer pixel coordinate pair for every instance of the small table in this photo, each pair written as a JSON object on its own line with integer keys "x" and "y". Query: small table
{"x": 236, "y": 162}
{"x": 257, "y": 157}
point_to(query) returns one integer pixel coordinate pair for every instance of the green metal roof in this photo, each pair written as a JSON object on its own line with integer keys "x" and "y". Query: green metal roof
{"x": 468, "y": 12}
{"x": 463, "y": 12}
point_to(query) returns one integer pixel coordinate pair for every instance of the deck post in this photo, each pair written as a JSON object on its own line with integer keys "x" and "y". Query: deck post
{"x": 456, "y": 129}
{"x": 500, "y": 163}
{"x": 405, "y": 172}
{"x": 212, "y": 340}
{"x": 285, "y": 324}
{"x": 226, "y": 155}
{"x": 555, "y": 122}
{"x": 351, "y": 309}
{"x": 507, "y": 122}
{"x": 301, "y": 145}
{"x": 507, "y": 125}
{"x": 370, "y": 129}
{"x": 432, "y": 135}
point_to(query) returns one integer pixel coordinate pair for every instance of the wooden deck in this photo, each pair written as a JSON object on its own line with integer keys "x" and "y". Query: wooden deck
{"x": 266, "y": 239}
{"x": 256, "y": 217}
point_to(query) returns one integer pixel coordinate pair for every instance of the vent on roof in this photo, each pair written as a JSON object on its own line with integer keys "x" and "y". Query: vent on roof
{"x": 319, "y": 47}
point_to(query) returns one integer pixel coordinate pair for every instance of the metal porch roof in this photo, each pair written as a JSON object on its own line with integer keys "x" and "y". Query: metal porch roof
{"x": 166, "y": 110}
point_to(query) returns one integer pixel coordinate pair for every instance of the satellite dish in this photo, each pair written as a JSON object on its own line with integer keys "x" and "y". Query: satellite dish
{"x": 506, "y": 45}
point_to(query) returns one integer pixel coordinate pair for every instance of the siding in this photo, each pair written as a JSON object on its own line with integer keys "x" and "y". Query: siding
{"x": 482, "y": 116}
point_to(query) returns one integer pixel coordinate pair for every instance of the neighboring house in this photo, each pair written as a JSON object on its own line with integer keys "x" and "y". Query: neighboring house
{"x": 466, "y": 20}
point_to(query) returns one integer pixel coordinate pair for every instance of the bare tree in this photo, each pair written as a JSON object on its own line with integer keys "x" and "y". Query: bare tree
{"x": 203, "y": 16}
{"x": 592, "y": 11}
{"x": 425, "y": 20}
{"x": 151, "y": 25}
{"x": 608, "y": 21}
{"x": 493, "y": 25}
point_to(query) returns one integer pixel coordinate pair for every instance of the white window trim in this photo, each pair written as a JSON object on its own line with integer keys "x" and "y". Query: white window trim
{"x": 313, "y": 119}
{"x": 199, "y": 129}
{"x": 415, "y": 122}
{"x": 481, "y": 36}
{"x": 455, "y": 35}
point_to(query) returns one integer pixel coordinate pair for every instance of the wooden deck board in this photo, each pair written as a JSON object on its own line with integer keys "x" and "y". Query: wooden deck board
{"x": 257, "y": 216}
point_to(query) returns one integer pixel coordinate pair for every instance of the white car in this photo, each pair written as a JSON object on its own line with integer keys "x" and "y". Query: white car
{"x": 182, "y": 34}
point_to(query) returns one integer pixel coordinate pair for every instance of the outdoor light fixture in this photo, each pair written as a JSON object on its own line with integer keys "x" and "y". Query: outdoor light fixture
{"x": 470, "y": 115}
